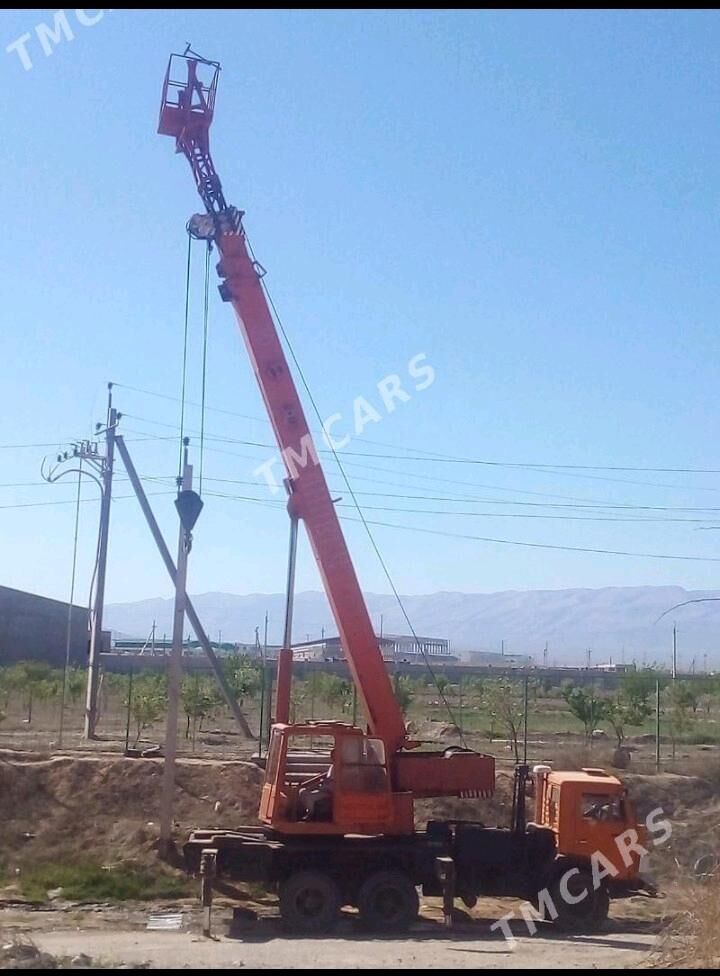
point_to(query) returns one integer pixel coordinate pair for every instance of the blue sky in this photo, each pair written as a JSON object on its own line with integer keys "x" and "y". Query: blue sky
{"x": 530, "y": 199}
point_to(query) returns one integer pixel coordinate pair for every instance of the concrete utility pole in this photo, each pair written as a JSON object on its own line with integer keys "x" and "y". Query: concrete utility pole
{"x": 99, "y": 468}
{"x": 189, "y": 505}
{"x": 96, "y": 616}
{"x": 674, "y": 653}
{"x": 265, "y": 692}
{"x": 284, "y": 665}
{"x": 657, "y": 725}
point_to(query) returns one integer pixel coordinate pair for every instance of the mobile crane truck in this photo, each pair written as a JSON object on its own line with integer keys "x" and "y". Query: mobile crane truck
{"x": 336, "y": 826}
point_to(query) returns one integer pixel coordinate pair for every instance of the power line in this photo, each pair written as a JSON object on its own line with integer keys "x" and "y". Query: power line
{"x": 649, "y": 520}
{"x": 409, "y": 528}
{"x": 358, "y": 454}
{"x": 587, "y": 504}
{"x": 71, "y": 501}
{"x": 21, "y": 447}
{"x": 551, "y": 467}
{"x": 539, "y": 545}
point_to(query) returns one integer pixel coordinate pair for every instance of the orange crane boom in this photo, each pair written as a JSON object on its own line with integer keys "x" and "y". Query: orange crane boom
{"x": 186, "y": 114}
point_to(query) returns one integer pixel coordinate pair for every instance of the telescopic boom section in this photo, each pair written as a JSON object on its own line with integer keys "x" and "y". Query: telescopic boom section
{"x": 186, "y": 114}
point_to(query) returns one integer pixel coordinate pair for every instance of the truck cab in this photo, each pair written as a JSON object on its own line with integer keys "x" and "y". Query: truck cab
{"x": 587, "y": 812}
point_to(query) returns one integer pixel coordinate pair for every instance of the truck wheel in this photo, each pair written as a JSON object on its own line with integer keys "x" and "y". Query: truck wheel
{"x": 309, "y": 902}
{"x": 387, "y": 902}
{"x": 587, "y": 915}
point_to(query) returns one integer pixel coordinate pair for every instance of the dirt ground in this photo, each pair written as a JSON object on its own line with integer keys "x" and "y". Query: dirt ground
{"x": 116, "y": 937}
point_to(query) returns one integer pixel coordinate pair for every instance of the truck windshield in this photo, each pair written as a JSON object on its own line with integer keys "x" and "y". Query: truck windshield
{"x": 602, "y": 806}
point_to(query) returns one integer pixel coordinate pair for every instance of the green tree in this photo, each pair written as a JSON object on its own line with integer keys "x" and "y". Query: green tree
{"x": 243, "y": 676}
{"x": 680, "y": 698}
{"x": 334, "y": 690}
{"x": 640, "y": 685}
{"x": 199, "y": 699}
{"x": 586, "y": 707}
{"x": 622, "y": 714}
{"x": 404, "y": 692}
{"x": 6, "y": 687}
{"x": 35, "y": 680}
{"x": 75, "y": 684}
{"x": 631, "y": 705}
{"x": 505, "y": 703}
{"x": 149, "y": 701}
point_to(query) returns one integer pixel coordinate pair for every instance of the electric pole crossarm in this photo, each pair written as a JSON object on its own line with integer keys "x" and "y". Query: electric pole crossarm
{"x": 172, "y": 572}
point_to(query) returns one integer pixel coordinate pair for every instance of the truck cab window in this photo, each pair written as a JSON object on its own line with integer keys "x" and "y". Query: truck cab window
{"x": 602, "y": 806}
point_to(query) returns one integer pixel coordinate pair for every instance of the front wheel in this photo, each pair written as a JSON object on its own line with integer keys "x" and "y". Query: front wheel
{"x": 580, "y": 906}
{"x": 309, "y": 902}
{"x": 388, "y": 902}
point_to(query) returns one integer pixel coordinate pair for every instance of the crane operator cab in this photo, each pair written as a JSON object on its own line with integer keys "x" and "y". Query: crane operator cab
{"x": 315, "y": 796}
{"x": 330, "y": 778}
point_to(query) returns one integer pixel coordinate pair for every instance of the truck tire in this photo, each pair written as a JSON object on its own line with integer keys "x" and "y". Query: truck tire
{"x": 309, "y": 902}
{"x": 387, "y": 902}
{"x": 587, "y": 915}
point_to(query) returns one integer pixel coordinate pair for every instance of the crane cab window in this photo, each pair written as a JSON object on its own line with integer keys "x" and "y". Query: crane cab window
{"x": 363, "y": 766}
{"x": 310, "y": 776}
{"x": 271, "y": 766}
{"x": 603, "y": 807}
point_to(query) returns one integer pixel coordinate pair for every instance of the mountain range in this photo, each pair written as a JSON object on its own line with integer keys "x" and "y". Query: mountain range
{"x": 618, "y": 623}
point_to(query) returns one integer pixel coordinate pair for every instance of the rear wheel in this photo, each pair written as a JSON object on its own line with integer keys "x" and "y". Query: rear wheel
{"x": 580, "y": 906}
{"x": 309, "y": 902}
{"x": 388, "y": 902}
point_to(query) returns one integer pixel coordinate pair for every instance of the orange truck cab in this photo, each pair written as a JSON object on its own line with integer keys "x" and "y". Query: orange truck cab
{"x": 590, "y": 814}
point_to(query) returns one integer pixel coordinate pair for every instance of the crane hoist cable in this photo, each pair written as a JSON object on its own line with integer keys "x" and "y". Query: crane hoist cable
{"x": 356, "y": 503}
{"x": 206, "y": 306}
{"x": 186, "y": 340}
{"x": 185, "y": 352}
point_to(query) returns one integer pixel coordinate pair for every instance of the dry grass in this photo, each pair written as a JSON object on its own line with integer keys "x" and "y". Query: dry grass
{"x": 692, "y": 939}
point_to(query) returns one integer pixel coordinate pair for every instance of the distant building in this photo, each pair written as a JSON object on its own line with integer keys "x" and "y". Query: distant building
{"x": 395, "y": 648}
{"x": 34, "y": 628}
{"x": 149, "y": 646}
{"x": 492, "y": 659}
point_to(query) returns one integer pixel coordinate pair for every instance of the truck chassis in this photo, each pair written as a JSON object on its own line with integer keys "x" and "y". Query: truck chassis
{"x": 380, "y": 876}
